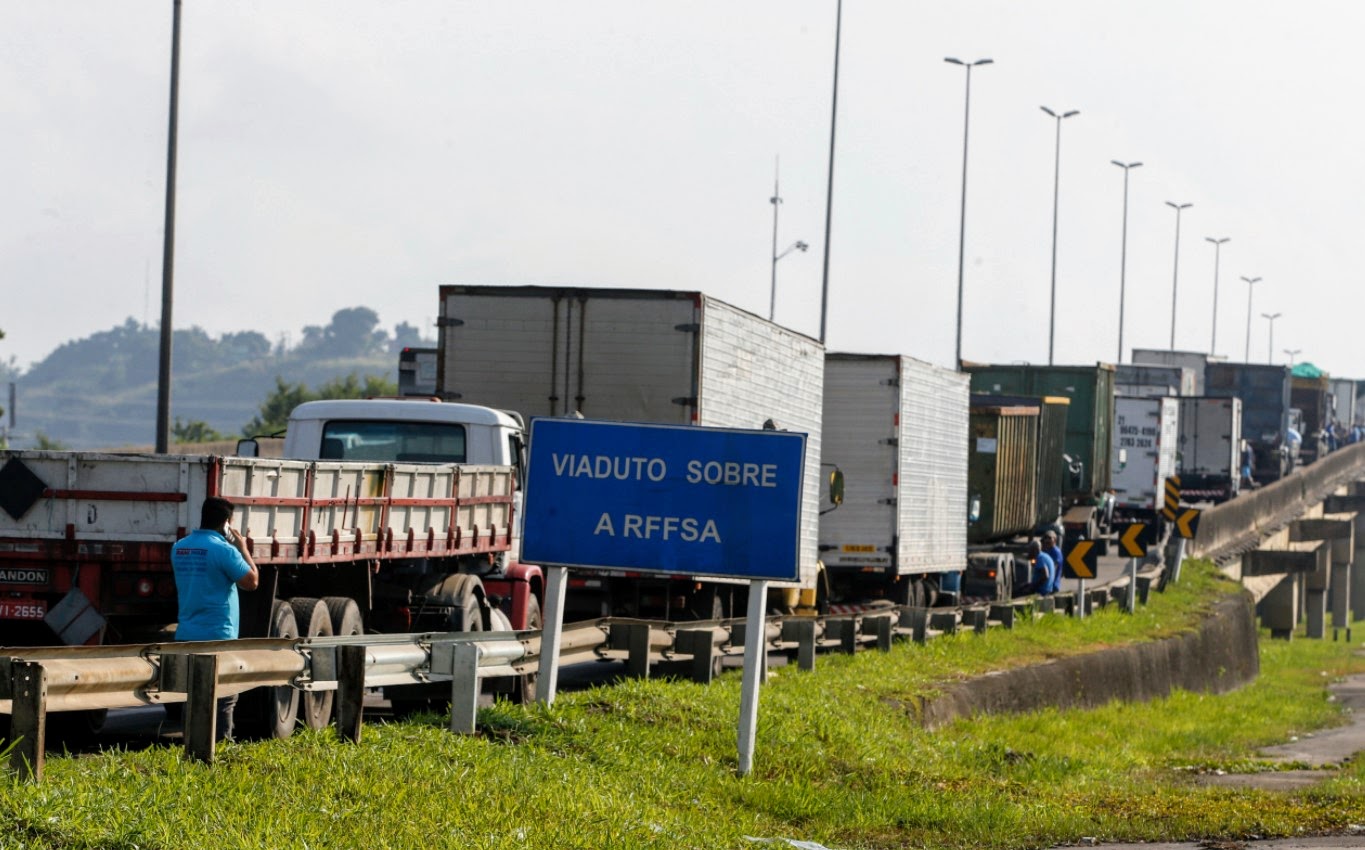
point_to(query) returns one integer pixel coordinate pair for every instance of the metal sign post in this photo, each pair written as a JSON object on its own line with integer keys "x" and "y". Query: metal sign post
{"x": 1134, "y": 540}
{"x": 552, "y": 629}
{"x": 755, "y": 659}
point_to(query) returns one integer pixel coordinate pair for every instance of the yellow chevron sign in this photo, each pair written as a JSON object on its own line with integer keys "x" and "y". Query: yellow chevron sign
{"x": 1187, "y": 523}
{"x": 1081, "y": 560}
{"x": 1135, "y": 539}
{"x": 1172, "y": 501}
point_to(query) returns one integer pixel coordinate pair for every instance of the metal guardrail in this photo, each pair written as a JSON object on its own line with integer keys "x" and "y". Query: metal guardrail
{"x": 36, "y": 681}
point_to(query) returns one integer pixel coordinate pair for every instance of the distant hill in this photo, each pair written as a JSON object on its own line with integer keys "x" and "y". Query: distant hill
{"x": 100, "y": 391}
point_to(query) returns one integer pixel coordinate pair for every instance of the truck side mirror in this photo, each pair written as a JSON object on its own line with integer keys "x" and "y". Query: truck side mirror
{"x": 248, "y": 448}
{"x": 836, "y": 487}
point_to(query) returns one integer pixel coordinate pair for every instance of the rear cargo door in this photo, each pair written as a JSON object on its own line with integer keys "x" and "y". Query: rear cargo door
{"x": 545, "y": 351}
{"x": 860, "y": 428}
{"x": 1137, "y": 451}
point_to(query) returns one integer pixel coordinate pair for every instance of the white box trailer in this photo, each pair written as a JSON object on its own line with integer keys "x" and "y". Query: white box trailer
{"x": 897, "y": 428}
{"x": 1146, "y": 433}
{"x": 1210, "y": 448}
{"x": 1195, "y": 361}
{"x": 1344, "y": 400}
{"x": 637, "y": 356}
{"x": 1146, "y": 379}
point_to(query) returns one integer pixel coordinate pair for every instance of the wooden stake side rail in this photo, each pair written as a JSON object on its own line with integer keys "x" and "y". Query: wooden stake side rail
{"x": 291, "y": 512}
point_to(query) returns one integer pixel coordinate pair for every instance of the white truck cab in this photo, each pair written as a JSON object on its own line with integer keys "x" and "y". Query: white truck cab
{"x": 416, "y": 430}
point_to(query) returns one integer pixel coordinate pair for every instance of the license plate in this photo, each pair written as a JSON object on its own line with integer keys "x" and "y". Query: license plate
{"x": 22, "y": 609}
{"x": 854, "y": 548}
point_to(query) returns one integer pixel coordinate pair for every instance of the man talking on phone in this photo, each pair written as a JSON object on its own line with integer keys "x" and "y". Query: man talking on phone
{"x": 210, "y": 564}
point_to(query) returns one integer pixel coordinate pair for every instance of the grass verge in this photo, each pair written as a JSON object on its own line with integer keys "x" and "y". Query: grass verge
{"x": 648, "y": 764}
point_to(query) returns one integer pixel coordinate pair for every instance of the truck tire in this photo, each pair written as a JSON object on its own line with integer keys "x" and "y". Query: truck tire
{"x": 315, "y": 707}
{"x": 524, "y": 686}
{"x": 345, "y": 616}
{"x": 271, "y": 712}
{"x": 463, "y": 593}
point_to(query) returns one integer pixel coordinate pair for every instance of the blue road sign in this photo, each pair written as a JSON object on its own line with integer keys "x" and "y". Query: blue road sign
{"x": 664, "y": 498}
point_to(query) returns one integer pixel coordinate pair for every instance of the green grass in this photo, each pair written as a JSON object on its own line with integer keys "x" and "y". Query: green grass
{"x": 840, "y": 760}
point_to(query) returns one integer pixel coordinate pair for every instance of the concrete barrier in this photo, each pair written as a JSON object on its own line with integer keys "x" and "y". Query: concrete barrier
{"x": 1220, "y": 656}
{"x": 1232, "y": 524}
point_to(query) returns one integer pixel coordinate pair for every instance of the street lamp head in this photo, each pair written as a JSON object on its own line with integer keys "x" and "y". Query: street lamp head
{"x": 984, "y": 62}
{"x": 1177, "y": 207}
{"x": 1071, "y": 113}
{"x": 1048, "y": 111}
{"x": 1126, "y": 165}
{"x": 1251, "y": 280}
{"x": 801, "y": 246}
{"x": 953, "y": 61}
{"x": 1218, "y": 241}
{"x": 1271, "y": 316}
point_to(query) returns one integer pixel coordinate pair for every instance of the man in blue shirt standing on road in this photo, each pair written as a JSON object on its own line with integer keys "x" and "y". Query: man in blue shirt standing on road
{"x": 210, "y": 564}
{"x": 1053, "y": 551}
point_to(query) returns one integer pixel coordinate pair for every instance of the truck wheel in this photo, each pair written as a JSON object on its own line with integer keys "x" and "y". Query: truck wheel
{"x": 524, "y": 686}
{"x": 270, "y": 712}
{"x": 315, "y": 707}
{"x": 345, "y": 616}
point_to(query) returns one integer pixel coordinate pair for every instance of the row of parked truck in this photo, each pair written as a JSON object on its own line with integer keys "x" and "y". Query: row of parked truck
{"x": 403, "y": 515}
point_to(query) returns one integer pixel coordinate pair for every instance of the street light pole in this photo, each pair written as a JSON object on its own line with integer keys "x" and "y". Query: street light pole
{"x": 1056, "y": 187}
{"x": 962, "y": 221}
{"x": 1250, "y": 281}
{"x": 1123, "y": 256}
{"x": 829, "y": 185}
{"x": 1270, "y": 340}
{"x": 1292, "y": 352}
{"x": 1217, "y": 250}
{"x": 1175, "y": 277}
{"x": 776, "y": 201}
{"x": 163, "y": 378}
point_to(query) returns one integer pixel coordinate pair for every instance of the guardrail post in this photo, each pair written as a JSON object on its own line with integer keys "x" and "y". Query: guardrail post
{"x": 979, "y": 622}
{"x": 917, "y": 620}
{"x": 1003, "y": 612}
{"x": 350, "y": 692}
{"x": 881, "y": 627}
{"x": 700, "y": 644}
{"x": 843, "y": 629}
{"x": 636, "y": 638}
{"x": 802, "y": 631}
{"x": 201, "y": 708}
{"x": 464, "y": 688}
{"x": 28, "y": 722}
{"x": 944, "y": 621}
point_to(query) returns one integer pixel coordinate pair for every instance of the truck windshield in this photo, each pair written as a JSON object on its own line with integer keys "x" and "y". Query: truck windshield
{"x": 403, "y": 442}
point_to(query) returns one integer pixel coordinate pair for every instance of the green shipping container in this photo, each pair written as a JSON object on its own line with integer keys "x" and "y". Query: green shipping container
{"x": 1002, "y": 458}
{"x": 1090, "y": 418}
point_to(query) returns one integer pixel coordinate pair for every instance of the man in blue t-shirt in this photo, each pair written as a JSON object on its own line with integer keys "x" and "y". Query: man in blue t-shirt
{"x": 1053, "y": 551}
{"x": 1041, "y": 571}
{"x": 210, "y": 564}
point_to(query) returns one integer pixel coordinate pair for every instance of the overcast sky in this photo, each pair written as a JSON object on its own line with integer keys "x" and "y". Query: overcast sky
{"x": 341, "y": 153}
